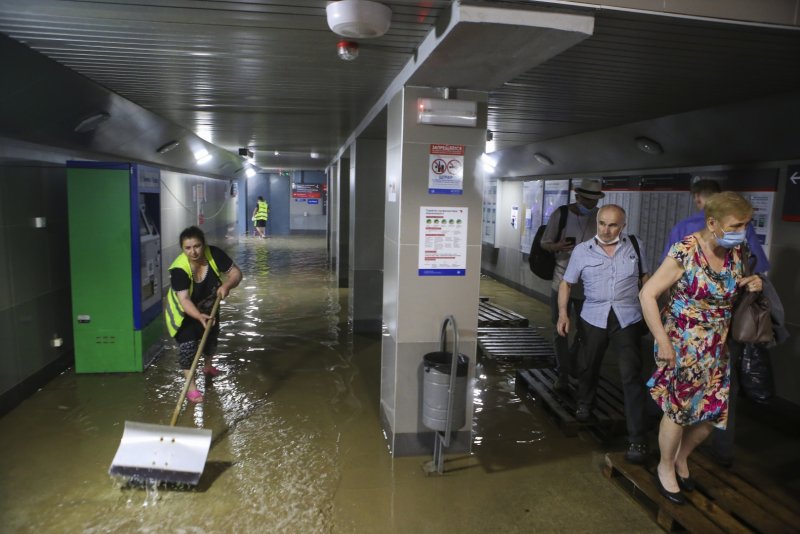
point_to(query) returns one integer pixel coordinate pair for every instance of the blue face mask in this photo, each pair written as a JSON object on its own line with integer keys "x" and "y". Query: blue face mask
{"x": 730, "y": 239}
{"x": 583, "y": 210}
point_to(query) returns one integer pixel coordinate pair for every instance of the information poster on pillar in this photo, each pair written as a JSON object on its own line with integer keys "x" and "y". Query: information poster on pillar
{"x": 442, "y": 241}
{"x": 446, "y": 169}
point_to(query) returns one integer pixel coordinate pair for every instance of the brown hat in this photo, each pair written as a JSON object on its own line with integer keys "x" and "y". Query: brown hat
{"x": 590, "y": 188}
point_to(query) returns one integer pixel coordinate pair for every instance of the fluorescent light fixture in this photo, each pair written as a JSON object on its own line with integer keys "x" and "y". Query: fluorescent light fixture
{"x": 647, "y": 145}
{"x": 249, "y": 172}
{"x": 166, "y": 147}
{"x": 90, "y": 123}
{"x": 202, "y": 156}
{"x": 447, "y": 112}
{"x": 541, "y": 158}
{"x": 315, "y": 155}
{"x": 489, "y": 163}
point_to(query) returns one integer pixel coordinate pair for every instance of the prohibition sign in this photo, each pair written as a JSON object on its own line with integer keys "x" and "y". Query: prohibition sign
{"x": 439, "y": 166}
{"x": 454, "y": 167}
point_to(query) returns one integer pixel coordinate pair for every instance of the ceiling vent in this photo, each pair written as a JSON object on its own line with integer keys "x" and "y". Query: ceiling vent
{"x": 358, "y": 19}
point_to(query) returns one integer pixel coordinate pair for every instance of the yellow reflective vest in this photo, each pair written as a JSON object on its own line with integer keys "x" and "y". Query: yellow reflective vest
{"x": 174, "y": 310}
{"x": 263, "y": 211}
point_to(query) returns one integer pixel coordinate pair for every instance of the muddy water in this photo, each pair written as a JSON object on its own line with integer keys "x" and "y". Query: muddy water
{"x": 297, "y": 441}
{"x": 274, "y": 415}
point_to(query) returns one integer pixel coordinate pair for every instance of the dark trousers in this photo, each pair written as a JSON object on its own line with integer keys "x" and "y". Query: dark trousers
{"x": 722, "y": 440}
{"x": 566, "y": 355}
{"x": 626, "y": 342}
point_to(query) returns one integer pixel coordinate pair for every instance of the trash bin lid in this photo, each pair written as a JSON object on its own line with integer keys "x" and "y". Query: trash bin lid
{"x": 443, "y": 361}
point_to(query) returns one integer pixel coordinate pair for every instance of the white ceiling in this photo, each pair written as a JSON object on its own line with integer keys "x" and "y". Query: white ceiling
{"x": 265, "y": 74}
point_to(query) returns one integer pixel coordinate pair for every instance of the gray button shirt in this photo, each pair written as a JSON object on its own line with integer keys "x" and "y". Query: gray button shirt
{"x": 608, "y": 281}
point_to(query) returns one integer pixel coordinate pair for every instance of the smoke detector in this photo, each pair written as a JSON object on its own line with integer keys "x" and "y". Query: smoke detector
{"x": 358, "y": 19}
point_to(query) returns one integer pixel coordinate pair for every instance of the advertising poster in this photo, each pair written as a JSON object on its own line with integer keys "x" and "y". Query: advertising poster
{"x": 446, "y": 169}
{"x": 442, "y": 241}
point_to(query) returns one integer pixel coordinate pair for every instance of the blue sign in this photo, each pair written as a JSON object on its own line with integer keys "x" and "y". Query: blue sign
{"x": 312, "y": 201}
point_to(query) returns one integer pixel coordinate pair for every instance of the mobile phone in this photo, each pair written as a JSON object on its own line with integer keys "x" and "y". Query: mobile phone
{"x": 570, "y": 240}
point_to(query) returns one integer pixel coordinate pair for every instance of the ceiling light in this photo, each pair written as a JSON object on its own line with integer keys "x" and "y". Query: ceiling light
{"x": 314, "y": 155}
{"x": 249, "y": 172}
{"x": 347, "y": 50}
{"x": 166, "y": 147}
{"x": 358, "y": 19}
{"x": 277, "y": 153}
{"x": 447, "y": 112}
{"x": 202, "y": 156}
{"x": 90, "y": 123}
{"x": 541, "y": 158}
{"x": 489, "y": 163}
{"x": 645, "y": 144}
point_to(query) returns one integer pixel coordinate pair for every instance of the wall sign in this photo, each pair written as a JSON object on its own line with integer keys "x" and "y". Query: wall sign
{"x": 446, "y": 169}
{"x": 442, "y": 241}
{"x": 791, "y": 200}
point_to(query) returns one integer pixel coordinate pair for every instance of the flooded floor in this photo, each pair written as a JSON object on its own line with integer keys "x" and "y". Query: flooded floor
{"x": 297, "y": 443}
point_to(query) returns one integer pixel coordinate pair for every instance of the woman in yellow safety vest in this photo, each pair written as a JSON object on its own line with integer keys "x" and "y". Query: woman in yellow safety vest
{"x": 195, "y": 282}
{"x": 260, "y": 214}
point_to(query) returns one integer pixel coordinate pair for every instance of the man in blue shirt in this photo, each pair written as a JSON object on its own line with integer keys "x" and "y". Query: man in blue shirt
{"x": 610, "y": 268}
{"x": 721, "y": 440}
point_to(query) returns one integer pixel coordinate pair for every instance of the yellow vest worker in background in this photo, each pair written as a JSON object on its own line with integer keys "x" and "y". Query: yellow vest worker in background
{"x": 260, "y": 215}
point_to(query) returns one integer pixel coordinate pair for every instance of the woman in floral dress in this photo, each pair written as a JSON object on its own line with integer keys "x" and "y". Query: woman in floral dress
{"x": 692, "y": 380}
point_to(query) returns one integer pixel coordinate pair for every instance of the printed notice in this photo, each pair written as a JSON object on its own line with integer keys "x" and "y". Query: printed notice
{"x": 446, "y": 169}
{"x": 442, "y": 241}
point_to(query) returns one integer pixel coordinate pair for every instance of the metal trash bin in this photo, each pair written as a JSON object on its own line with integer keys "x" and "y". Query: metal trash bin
{"x": 435, "y": 395}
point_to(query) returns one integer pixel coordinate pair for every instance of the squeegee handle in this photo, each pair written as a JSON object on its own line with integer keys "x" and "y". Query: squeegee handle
{"x": 194, "y": 363}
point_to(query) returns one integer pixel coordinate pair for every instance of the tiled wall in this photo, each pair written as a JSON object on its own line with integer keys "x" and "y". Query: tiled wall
{"x": 34, "y": 271}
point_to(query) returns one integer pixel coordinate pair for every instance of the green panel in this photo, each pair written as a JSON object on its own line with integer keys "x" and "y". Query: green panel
{"x": 100, "y": 263}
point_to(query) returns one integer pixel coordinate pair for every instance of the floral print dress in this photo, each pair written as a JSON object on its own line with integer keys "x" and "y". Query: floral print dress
{"x": 696, "y": 320}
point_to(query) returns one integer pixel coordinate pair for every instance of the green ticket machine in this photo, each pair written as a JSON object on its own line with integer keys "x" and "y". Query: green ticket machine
{"x": 115, "y": 263}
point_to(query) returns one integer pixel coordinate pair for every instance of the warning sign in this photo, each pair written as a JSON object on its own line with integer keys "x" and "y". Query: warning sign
{"x": 446, "y": 169}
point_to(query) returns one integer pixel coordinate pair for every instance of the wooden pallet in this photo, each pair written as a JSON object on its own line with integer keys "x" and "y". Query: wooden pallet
{"x": 512, "y": 343}
{"x": 723, "y": 501}
{"x": 490, "y": 314}
{"x": 608, "y": 412}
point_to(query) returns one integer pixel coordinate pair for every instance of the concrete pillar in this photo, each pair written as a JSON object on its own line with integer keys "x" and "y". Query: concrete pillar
{"x": 342, "y": 222}
{"x": 414, "y": 306}
{"x": 367, "y": 182}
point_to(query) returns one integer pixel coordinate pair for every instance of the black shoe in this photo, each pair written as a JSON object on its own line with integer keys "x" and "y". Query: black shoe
{"x": 636, "y": 454}
{"x": 686, "y": 484}
{"x": 675, "y": 498}
{"x": 583, "y": 414}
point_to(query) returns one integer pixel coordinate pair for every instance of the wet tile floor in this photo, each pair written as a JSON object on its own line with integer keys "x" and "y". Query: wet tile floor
{"x": 297, "y": 444}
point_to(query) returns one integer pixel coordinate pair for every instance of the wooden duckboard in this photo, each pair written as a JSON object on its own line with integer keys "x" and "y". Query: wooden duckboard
{"x": 608, "y": 412}
{"x": 722, "y": 501}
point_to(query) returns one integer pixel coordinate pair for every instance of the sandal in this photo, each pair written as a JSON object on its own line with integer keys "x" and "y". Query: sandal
{"x": 210, "y": 370}
{"x": 195, "y": 396}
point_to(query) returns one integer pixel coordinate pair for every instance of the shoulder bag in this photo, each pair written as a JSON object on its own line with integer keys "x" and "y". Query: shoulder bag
{"x": 751, "y": 321}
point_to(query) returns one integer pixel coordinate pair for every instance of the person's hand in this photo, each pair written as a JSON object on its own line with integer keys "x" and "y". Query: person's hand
{"x": 666, "y": 352}
{"x": 564, "y": 246}
{"x": 562, "y": 326}
{"x": 752, "y": 283}
{"x": 222, "y": 292}
{"x": 204, "y": 320}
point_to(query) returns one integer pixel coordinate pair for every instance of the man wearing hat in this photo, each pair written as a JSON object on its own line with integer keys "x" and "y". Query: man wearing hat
{"x": 581, "y": 225}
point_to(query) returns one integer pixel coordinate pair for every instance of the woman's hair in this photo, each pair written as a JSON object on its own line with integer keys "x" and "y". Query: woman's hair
{"x": 727, "y": 203}
{"x": 192, "y": 232}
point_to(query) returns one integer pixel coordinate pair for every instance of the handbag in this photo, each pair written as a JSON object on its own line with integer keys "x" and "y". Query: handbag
{"x": 752, "y": 321}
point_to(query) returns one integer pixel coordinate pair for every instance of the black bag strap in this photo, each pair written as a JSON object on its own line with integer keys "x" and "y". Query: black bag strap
{"x": 635, "y": 244}
{"x": 563, "y": 213}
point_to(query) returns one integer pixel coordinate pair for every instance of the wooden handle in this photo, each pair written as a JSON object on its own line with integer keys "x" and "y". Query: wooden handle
{"x": 192, "y": 369}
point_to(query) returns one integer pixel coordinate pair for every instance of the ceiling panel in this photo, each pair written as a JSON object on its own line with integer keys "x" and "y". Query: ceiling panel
{"x": 265, "y": 73}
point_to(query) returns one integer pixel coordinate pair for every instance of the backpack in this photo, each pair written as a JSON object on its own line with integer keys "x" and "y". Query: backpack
{"x": 543, "y": 262}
